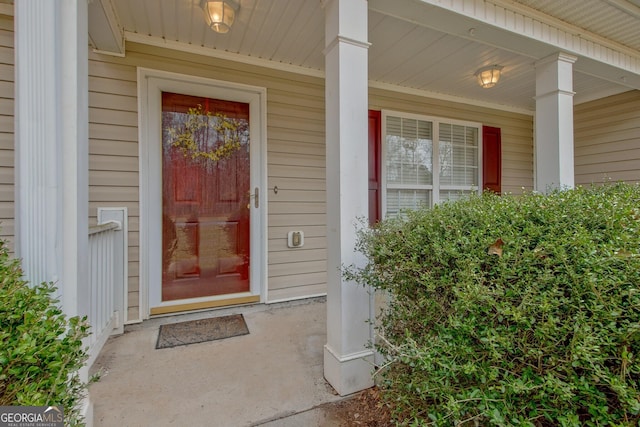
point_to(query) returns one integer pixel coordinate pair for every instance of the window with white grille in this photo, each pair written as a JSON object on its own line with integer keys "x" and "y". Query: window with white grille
{"x": 428, "y": 160}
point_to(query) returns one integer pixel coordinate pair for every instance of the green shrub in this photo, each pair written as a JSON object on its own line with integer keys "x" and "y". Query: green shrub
{"x": 512, "y": 310}
{"x": 41, "y": 350}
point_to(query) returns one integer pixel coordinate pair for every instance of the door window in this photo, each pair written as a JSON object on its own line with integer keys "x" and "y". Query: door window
{"x": 205, "y": 197}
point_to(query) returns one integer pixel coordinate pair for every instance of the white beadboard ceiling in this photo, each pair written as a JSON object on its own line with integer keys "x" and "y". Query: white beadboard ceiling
{"x": 614, "y": 19}
{"x": 403, "y": 54}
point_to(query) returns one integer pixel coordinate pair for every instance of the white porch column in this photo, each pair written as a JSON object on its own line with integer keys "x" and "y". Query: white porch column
{"x": 554, "y": 122}
{"x": 51, "y": 139}
{"x": 347, "y": 361}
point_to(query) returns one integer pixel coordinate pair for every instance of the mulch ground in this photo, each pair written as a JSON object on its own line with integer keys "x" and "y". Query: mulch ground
{"x": 366, "y": 410}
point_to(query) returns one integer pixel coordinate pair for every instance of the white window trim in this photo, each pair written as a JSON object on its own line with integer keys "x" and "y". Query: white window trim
{"x": 151, "y": 83}
{"x": 435, "y": 187}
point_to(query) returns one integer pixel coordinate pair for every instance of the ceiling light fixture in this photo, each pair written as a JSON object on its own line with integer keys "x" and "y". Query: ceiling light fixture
{"x": 219, "y": 14}
{"x": 488, "y": 76}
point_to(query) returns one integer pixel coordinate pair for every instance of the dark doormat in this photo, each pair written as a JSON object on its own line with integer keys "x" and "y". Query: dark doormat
{"x": 195, "y": 331}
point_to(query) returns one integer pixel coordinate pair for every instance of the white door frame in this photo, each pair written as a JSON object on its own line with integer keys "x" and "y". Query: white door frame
{"x": 151, "y": 84}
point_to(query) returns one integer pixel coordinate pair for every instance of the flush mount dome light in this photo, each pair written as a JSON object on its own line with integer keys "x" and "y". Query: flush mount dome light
{"x": 219, "y": 14}
{"x": 488, "y": 76}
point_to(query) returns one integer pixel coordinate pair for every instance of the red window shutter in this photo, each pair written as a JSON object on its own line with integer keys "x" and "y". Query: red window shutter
{"x": 491, "y": 159}
{"x": 375, "y": 165}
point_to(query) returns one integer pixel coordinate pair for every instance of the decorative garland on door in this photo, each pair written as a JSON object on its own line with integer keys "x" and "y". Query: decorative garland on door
{"x": 206, "y": 136}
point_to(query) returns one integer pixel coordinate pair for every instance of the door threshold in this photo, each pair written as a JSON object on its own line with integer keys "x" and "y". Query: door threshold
{"x": 169, "y": 309}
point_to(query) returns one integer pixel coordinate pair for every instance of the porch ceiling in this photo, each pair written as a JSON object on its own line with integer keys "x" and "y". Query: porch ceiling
{"x": 414, "y": 56}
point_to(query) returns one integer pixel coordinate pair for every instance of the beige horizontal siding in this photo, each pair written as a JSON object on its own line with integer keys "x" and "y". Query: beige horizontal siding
{"x": 298, "y": 292}
{"x": 291, "y": 282}
{"x": 295, "y": 156}
{"x": 113, "y": 154}
{"x": 102, "y": 116}
{"x": 113, "y": 148}
{"x": 7, "y": 206}
{"x": 297, "y": 221}
{"x": 516, "y": 130}
{"x": 296, "y": 165}
{"x": 607, "y": 139}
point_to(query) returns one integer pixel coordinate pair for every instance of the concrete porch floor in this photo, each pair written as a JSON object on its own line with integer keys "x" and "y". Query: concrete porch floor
{"x": 272, "y": 377}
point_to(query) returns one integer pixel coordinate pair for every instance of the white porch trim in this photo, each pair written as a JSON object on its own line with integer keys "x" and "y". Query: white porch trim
{"x": 51, "y": 139}
{"x": 554, "y": 122}
{"x": 347, "y": 362}
{"x": 105, "y": 32}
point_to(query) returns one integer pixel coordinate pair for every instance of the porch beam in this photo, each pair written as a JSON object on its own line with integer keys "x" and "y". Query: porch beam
{"x": 554, "y": 122}
{"x": 51, "y": 138}
{"x": 348, "y": 363}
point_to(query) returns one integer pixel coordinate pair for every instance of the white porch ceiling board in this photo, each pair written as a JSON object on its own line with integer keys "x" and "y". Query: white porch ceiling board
{"x": 188, "y": 22}
{"x": 617, "y": 20}
{"x": 192, "y": 28}
{"x": 425, "y": 61}
{"x": 588, "y": 88}
{"x": 383, "y": 63}
{"x": 464, "y": 79}
{"x": 386, "y": 31}
{"x": 306, "y": 29}
{"x": 409, "y": 55}
{"x": 313, "y": 57}
{"x": 518, "y": 78}
{"x": 173, "y": 20}
{"x": 422, "y": 49}
{"x": 518, "y": 28}
{"x": 516, "y": 87}
{"x": 167, "y": 23}
{"x": 220, "y": 42}
{"x": 153, "y": 20}
{"x": 251, "y": 25}
{"x": 276, "y": 45}
{"x": 388, "y": 34}
{"x": 426, "y": 68}
{"x": 132, "y": 15}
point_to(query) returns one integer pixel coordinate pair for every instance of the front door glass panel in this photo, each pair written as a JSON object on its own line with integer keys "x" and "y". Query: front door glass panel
{"x": 205, "y": 197}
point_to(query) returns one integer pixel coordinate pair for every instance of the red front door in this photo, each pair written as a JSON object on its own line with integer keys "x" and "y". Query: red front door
{"x": 205, "y": 197}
